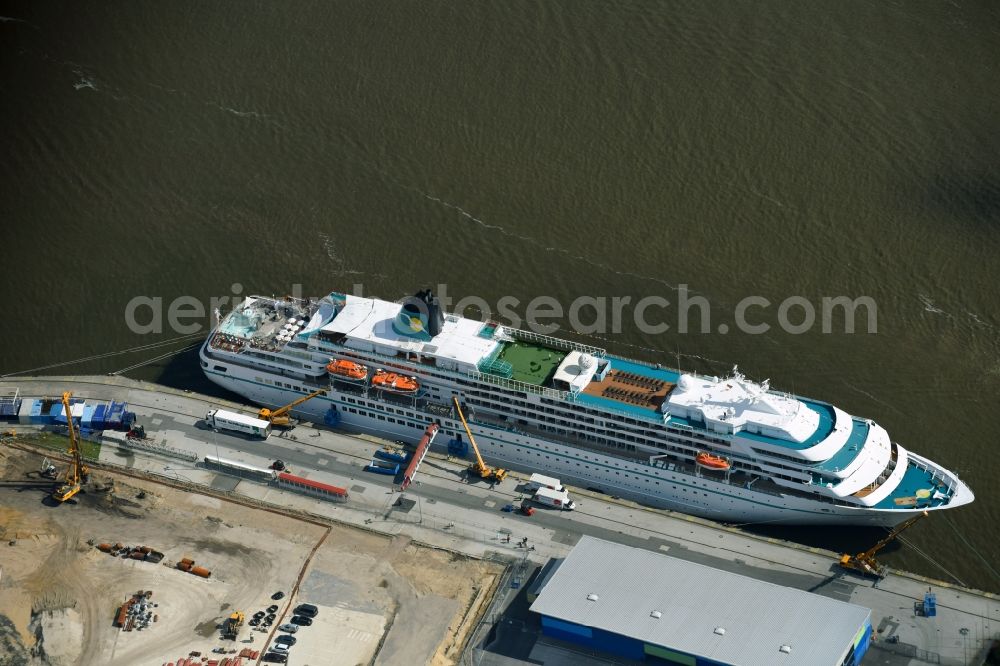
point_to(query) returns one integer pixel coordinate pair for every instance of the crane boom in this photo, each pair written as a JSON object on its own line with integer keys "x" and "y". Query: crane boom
{"x": 76, "y": 470}
{"x": 479, "y": 467}
{"x": 865, "y": 561}
{"x": 279, "y": 416}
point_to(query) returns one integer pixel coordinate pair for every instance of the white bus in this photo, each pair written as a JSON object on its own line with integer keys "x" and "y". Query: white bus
{"x": 220, "y": 419}
{"x": 541, "y": 481}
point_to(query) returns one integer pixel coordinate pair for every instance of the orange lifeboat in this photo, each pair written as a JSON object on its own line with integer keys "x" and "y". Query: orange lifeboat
{"x": 391, "y": 381}
{"x": 347, "y": 370}
{"x": 711, "y": 462}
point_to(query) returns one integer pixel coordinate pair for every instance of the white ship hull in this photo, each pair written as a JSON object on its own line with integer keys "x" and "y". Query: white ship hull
{"x": 650, "y": 485}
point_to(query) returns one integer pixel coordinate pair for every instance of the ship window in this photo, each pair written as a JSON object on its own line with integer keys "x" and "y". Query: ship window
{"x": 220, "y": 368}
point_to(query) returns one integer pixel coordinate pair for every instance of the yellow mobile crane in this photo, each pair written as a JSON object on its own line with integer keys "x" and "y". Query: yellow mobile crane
{"x": 77, "y": 471}
{"x": 279, "y": 416}
{"x": 865, "y": 562}
{"x": 479, "y": 468}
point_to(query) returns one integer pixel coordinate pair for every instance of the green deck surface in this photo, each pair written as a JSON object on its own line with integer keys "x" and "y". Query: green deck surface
{"x": 532, "y": 364}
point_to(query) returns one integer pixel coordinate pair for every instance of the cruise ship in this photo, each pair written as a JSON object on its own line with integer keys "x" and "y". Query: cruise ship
{"x": 724, "y": 448}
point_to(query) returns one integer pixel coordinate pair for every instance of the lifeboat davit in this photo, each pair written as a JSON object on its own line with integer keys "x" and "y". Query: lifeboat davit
{"x": 391, "y": 381}
{"x": 711, "y": 462}
{"x": 347, "y": 370}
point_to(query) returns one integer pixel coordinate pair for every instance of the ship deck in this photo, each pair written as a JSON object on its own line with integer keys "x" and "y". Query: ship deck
{"x": 916, "y": 489}
{"x": 622, "y": 386}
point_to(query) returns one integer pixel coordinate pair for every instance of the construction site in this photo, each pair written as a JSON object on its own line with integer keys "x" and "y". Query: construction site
{"x": 72, "y": 587}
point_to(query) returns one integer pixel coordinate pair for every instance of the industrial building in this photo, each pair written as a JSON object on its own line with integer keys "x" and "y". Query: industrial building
{"x": 649, "y": 606}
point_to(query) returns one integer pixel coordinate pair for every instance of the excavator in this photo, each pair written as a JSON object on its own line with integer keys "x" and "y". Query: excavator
{"x": 865, "y": 562}
{"x": 479, "y": 468}
{"x": 77, "y": 472}
{"x": 279, "y": 416}
{"x": 232, "y": 624}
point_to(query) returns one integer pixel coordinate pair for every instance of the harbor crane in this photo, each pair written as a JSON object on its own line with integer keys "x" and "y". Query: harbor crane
{"x": 77, "y": 472}
{"x": 865, "y": 562}
{"x": 279, "y": 416}
{"x": 479, "y": 468}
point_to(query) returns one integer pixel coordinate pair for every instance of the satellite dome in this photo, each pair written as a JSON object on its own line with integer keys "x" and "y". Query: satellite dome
{"x": 586, "y": 360}
{"x": 685, "y": 383}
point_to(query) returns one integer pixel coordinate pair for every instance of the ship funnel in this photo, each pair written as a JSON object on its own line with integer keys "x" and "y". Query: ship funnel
{"x": 420, "y": 316}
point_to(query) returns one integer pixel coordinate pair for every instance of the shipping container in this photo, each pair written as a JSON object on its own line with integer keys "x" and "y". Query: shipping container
{"x": 24, "y": 413}
{"x": 10, "y": 402}
{"x": 541, "y": 481}
{"x": 201, "y": 571}
{"x": 220, "y": 419}
{"x": 97, "y": 420}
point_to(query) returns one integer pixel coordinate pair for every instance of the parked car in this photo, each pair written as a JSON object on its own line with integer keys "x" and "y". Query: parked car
{"x": 306, "y": 609}
{"x": 280, "y": 647}
{"x": 301, "y": 620}
{"x": 286, "y": 639}
{"x": 273, "y": 608}
{"x": 289, "y": 628}
{"x": 276, "y": 657}
{"x": 278, "y": 595}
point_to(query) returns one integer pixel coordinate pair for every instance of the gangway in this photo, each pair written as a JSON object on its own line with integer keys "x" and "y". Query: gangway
{"x": 418, "y": 456}
{"x": 279, "y": 416}
{"x": 479, "y": 468}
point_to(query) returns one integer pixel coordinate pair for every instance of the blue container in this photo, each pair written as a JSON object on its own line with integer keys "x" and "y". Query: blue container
{"x": 97, "y": 420}
{"x": 10, "y": 407}
{"x": 88, "y": 415}
{"x": 36, "y": 414}
{"x": 114, "y": 414}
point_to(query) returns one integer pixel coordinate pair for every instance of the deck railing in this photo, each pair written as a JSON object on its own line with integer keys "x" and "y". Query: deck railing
{"x": 554, "y": 343}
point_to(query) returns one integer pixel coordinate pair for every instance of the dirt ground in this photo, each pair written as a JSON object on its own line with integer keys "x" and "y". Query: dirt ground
{"x": 59, "y": 594}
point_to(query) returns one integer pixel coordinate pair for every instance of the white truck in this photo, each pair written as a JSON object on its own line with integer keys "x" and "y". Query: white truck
{"x": 220, "y": 419}
{"x": 541, "y": 481}
{"x": 558, "y": 499}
